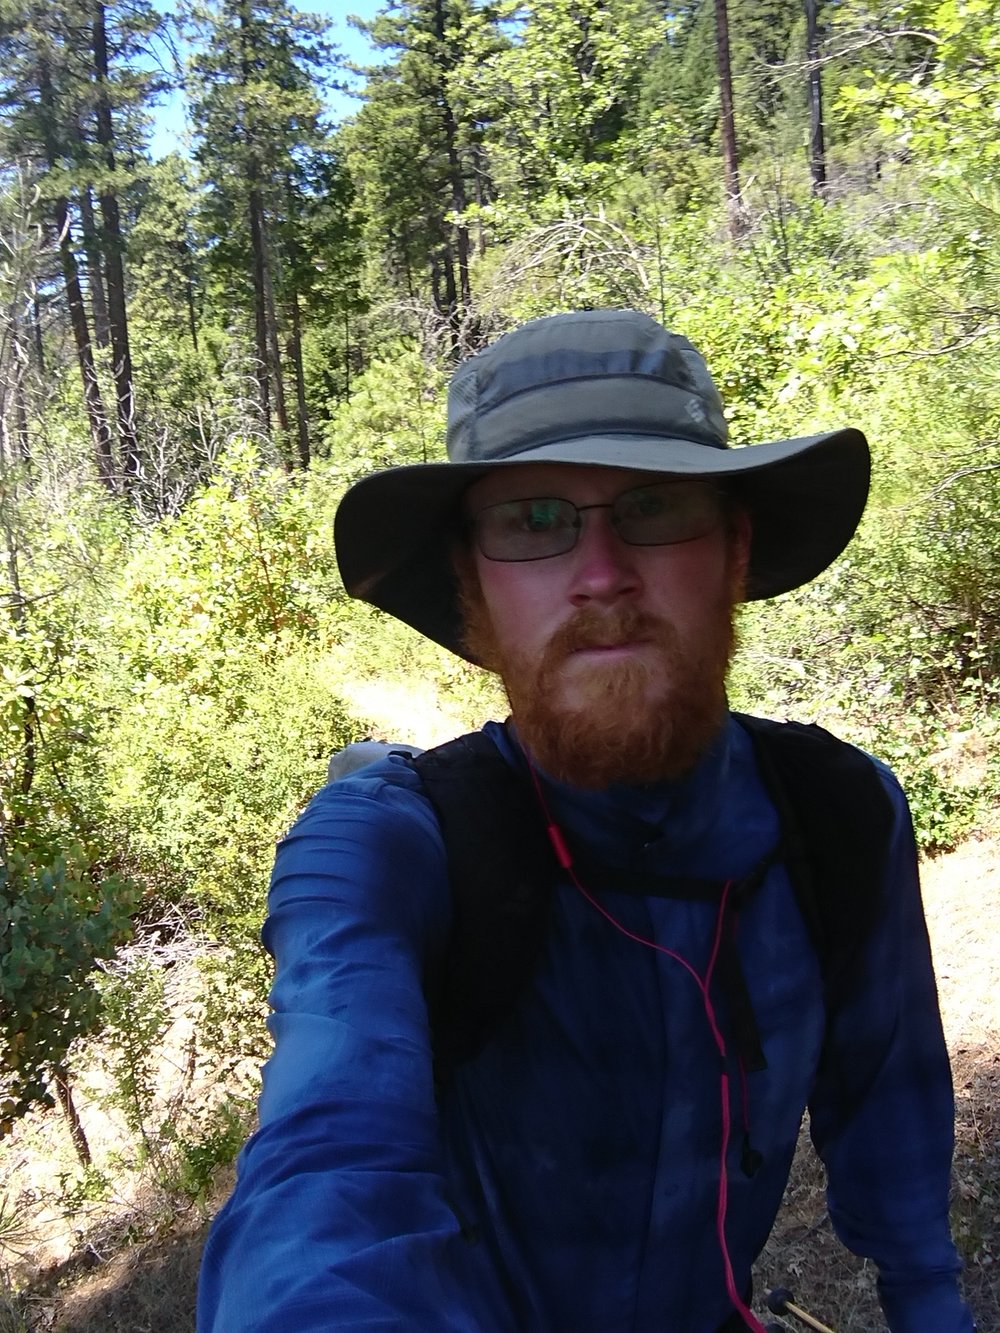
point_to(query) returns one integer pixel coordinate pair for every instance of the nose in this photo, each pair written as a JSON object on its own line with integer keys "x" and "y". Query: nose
{"x": 604, "y": 566}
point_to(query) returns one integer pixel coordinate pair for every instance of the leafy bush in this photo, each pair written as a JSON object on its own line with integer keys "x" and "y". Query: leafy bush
{"x": 56, "y": 922}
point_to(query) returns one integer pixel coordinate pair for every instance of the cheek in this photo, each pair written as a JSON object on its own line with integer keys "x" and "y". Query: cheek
{"x": 517, "y": 603}
{"x": 690, "y": 582}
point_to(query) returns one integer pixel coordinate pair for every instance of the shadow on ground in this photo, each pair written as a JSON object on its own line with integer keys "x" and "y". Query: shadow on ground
{"x": 147, "y": 1287}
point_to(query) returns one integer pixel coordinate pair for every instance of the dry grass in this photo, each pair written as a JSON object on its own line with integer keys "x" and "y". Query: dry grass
{"x": 120, "y": 1280}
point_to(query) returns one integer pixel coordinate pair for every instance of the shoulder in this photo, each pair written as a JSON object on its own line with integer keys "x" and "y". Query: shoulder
{"x": 829, "y": 783}
{"x": 371, "y": 839}
{"x": 386, "y": 792}
{"x": 369, "y": 843}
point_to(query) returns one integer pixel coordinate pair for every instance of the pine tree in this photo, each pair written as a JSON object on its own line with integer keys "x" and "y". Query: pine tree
{"x": 415, "y": 150}
{"x": 727, "y": 120}
{"x": 256, "y": 111}
{"x": 566, "y": 88}
{"x": 70, "y": 88}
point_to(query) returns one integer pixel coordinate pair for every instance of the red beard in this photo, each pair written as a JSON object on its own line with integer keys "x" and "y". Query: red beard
{"x": 646, "y": 719}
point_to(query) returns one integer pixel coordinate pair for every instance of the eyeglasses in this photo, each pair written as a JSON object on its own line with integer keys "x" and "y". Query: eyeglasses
{"x": 539, "y": 527}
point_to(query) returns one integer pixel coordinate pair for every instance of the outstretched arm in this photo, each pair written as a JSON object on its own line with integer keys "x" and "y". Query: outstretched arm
{"x": 882, "y": 1113}
{"x": 339, "y": 1218}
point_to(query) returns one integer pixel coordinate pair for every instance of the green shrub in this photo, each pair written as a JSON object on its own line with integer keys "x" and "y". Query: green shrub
{"x": 56, "y": 923}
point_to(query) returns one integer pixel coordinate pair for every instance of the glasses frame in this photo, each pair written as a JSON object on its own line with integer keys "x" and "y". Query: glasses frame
{"x": 719, "y": 496}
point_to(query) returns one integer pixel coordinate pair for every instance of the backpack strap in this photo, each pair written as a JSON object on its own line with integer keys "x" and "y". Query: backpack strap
{"x": 503, "y": 872}
{"x": 836, "y": 820}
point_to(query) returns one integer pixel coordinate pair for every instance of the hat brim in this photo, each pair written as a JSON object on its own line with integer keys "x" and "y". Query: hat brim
{"x": 394, "y": 530}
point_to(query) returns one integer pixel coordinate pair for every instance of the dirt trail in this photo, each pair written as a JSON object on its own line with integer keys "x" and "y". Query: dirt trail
{"x": 962, "y": 902}
{"x": 403, "y": 711}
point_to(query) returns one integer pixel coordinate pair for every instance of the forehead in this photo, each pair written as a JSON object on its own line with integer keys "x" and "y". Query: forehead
{"x": 567, "y": 481}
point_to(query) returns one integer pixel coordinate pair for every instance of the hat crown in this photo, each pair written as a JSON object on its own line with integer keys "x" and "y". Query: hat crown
{"x": 581, "y": 375}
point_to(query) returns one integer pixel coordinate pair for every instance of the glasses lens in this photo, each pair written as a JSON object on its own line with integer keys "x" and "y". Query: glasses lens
{"x": 530, "y": 529}
{"x": 665, "y": 513}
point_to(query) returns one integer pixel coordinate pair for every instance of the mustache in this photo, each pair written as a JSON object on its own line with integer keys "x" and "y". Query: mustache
{"x": 592, "y": 627}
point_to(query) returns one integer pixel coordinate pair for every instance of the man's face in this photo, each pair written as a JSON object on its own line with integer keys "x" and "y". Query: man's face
{"x": 613, "y": 655}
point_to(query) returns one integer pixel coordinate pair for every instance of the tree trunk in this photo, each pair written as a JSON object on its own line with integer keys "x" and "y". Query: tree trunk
{"x": 295, "y": 356}
{"x": 100, "y": 430}
{"x": 192, "y": 313}
{"x": 479, "y": 170}
{"x": 460, "y": 299}
{"x": 64, "y": 1093}
{"x": 817, "y": 146}
{"x": 36, "y": 329}
{"x": 21, "y": 425}
{"x": 273, "y": 346}
{"x": 459, "y": 202}
{"x": 259, "y": 317}
{"x": 730, "y": 156}
{"x": 447, "y": 301}
{"x": 95, "y": 278}
{"x": 14, "y": 442}
{"x": 114, "y": 264}
{"x": 347, "y": 354}
{"x": 21, "y": 363}
{"x": 29, "y": 721}
{"x": 265, "y": 322}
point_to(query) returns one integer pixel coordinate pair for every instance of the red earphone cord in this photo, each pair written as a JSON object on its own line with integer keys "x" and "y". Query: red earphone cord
{"x": 703, "y": 983}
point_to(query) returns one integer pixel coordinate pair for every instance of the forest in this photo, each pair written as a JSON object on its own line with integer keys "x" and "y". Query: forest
{"x": 198, "y": 353}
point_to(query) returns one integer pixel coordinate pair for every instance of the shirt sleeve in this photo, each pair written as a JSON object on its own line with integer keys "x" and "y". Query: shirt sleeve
{"x": 882, "y": 1110}
{"x": 339, "y": 1218}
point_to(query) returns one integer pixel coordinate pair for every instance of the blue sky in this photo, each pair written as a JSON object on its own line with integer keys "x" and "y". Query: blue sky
{"x": 169, "y": 127}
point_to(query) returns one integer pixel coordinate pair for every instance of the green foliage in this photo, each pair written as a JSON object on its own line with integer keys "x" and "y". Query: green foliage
{"x": 56, "y": 923}
{"x": 206, "y": 779}
{"x": 569, "y": 84}
{"x": 394, "y": 415}
{"x": 62, "y": 909}
{"x": 415, "y": 153}
{"x": 256, "y": 106}
{"x": 222, "y": 715}
{"x": 207, "y": 1145}
{"x": 938, "y": 96}
{"x": 14, "y": 1314}
{"x": 134, "y": 1019}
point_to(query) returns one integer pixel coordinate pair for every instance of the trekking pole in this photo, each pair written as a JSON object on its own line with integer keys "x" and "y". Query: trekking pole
{"x": 779, "y": 1301}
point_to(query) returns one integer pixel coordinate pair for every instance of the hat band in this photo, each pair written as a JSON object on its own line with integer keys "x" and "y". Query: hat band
{"x": 579, "y": 408}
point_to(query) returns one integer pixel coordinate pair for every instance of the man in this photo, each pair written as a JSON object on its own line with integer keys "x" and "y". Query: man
{"x": 613, "y": 1157}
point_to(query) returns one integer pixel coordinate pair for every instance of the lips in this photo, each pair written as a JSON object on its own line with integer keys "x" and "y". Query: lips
{"x": 621, "y": 648}
{"x": 607, "y": 647}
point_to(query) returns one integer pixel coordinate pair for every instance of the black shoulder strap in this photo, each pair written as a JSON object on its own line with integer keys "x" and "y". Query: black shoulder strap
{"x": 836, "y": 819}
{"x": 503, "y": 871}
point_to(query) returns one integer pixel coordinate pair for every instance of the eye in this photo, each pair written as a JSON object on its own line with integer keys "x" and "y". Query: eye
{"x": 541, "y": 514}
{"x": 645, "y": 503}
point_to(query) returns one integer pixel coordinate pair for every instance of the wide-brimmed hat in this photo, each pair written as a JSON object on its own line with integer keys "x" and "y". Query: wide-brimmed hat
{"x": 605, "y": 388}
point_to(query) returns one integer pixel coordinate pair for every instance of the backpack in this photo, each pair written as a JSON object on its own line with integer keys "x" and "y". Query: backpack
{"x": 835, "y": 817}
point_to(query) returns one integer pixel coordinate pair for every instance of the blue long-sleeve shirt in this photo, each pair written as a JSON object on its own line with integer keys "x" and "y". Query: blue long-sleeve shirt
{"x": 567, "y": 1182}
